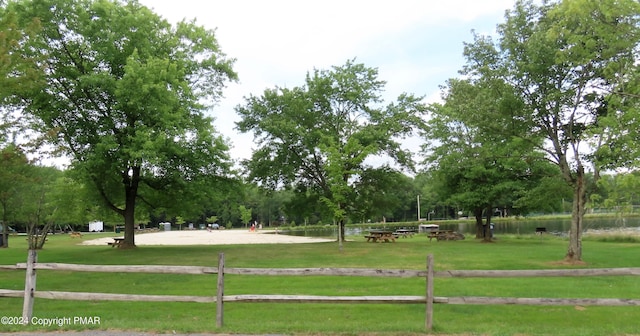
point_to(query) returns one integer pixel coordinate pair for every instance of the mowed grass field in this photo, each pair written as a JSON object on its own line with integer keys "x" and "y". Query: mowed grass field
{"x": 506, "y": 253}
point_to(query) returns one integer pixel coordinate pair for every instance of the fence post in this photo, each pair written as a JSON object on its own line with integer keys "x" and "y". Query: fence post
{"x": 429, "y": 318}
{"x": 220, "y": 291}
{"x": 29, "y": 286}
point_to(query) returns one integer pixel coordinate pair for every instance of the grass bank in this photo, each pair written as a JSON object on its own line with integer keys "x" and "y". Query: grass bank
{"x": 510, "y": 252}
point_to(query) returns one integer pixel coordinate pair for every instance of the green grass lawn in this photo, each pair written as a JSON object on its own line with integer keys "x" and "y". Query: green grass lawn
{"x": 513, "y": 252}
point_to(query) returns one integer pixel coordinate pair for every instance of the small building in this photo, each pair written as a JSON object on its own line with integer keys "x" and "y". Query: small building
{"x": 96, "y": 226}
{"x": 426, "y": 228}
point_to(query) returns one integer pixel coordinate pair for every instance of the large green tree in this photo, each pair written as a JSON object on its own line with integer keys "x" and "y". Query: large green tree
{"x": 478, "y": 161}
{"x": 16, "y": 70}
{"x": 321, "y": 133}
{"x": 17, "y": 73}
{"x": 382, "y": 194}
{"x": 14, "y": 172}
{"x": 28, "y": 195}
{"x": 124, "y": 97}
{"x": 570, "y": 63}
{"x": 300, "y": 204}
{"x": 618, "y": 192}
{"x": 40, "y": 208}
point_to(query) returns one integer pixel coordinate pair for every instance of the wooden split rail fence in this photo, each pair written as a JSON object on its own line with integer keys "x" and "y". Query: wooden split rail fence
{"x": 428, "y": 299}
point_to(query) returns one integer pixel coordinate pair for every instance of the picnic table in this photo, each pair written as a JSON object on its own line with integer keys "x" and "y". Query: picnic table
{"x": 439, "y": 234}
{"x": 117, "y": 241}
{"x": 380, "y": 236}
{"x": 404, "y": 233}
{"x": 445, "y": 235}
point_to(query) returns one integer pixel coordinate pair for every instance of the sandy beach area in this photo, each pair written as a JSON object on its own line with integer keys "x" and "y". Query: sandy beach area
{"x": 628, "y": 231}
{"x": 215, "y": 237}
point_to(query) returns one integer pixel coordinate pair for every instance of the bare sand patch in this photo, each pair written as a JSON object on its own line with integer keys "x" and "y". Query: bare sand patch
{"x": 621, "y": 231}
{"x": 215, "y": 237}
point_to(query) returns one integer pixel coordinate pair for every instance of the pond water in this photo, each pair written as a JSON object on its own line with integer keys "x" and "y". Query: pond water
{"x": 558, "y": 226}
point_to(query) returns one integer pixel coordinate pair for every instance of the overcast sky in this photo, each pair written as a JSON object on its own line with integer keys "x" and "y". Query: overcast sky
{"x": 415, "y": 45}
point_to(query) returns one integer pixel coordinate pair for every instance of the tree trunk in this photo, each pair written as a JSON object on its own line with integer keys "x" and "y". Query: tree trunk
{"x": 131, "y": 192}
{"x": 5, "y": 227}
{"x": 477, "y": 212}
{"x": 340, "y": 223}
{"x": 486, "y": 232}
{"x": 574, "y": 252}
{"x": 340, "y": 234}
{"x": 129, "y": 221}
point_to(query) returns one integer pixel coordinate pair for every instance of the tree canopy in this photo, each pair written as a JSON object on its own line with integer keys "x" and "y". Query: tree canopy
{"x": 476, "y": 156}
{"x": 14, "y": 171}
{"x": 570, "y": 63}
{"x": 16, "y": 70}
{"x": 124, "y": 95}
{"x": 320, "y": 134}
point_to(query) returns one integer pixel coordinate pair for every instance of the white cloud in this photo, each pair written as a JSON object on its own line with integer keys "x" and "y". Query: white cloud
{"x": 415, "y": 44}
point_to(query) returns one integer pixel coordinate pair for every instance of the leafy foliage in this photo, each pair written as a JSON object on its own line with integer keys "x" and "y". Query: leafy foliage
{"x": 476, "y": 155}
{"x": 320, "y": 134}
{"x": 13, "y": 175}
{"x": 384, "y": 194}
{"x": 123, "y": 96}
{"x": 571, "y": 64}
{"x": 16, "y": 71}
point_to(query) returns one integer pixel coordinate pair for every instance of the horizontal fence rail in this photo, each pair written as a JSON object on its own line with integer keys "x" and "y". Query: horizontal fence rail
{"x": 478, "y": 300}
{"x": 537, "y": 273}
{"x": 398, "y": 273}
{"x": 82, "y": 296}
{"x": 167, "y": 269}
{"x": 323, "y": 299}
{"x": 429, "y": 299}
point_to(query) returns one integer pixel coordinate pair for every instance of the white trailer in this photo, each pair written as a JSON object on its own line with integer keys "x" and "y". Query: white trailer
{"x": 428, "y": 228}
{"x": 96, "y": 226}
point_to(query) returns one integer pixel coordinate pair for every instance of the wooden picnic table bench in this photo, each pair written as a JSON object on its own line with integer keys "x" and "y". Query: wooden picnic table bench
{"x": 445, "y": 235}
{"x": 439, "y": 235}
{"x": 381, "y": 236}
{"x": 116, "y": 242}
{"x": 404, "y": 233}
